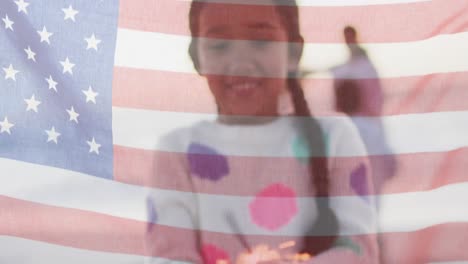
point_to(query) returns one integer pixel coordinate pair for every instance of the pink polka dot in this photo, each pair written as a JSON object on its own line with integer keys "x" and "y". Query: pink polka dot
{"x": 214, "y": 255}
{"x": 273, "y": 207}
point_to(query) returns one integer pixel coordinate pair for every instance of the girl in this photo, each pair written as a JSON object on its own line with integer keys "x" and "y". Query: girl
{"x": 254, "y": 186}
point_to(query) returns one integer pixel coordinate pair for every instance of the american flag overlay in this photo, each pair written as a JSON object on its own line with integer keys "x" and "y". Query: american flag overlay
{"x": 112, "y": 149}
{"x": 57, "y": 60}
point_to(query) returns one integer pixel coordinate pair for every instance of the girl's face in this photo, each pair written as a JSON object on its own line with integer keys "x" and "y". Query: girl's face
{"x": 244, "y": 56}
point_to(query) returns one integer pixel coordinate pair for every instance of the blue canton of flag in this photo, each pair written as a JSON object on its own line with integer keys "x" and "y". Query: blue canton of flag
{"x": 56, "y": 65}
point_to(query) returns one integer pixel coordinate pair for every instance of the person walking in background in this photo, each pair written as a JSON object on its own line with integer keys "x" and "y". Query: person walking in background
{"x": 358, "y": 94}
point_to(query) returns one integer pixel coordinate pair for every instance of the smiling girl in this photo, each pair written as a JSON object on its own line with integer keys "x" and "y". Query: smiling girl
{"x": 254, "y": 186}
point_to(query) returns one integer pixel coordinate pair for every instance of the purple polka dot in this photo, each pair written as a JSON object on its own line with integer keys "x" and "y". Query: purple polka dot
{"x": 152, "y": 215}
{"x": 206, "y": 163}
{"x": 358, "y": 181}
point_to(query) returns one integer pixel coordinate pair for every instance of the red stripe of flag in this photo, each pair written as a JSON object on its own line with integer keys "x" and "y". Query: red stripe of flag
{"x": 185, "y": 92}
{"x": 100, "y": 232}
{"x": 413, "y": 172}
{"x": 375, "y": 23}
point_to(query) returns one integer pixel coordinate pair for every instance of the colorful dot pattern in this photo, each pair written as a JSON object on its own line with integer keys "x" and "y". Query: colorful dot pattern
{"x": 151, "y": 211}
{"x": 301, "y": 149}
{"x": 347, "y": 242}
{"x": 273, "y": 207}
{"x": 206, "y": 162}
{"x": 358, "y": 181}
{"x": 214, "y": 255}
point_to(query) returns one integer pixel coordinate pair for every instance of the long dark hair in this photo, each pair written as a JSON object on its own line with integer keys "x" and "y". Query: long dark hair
{"x": 323, "y": 232}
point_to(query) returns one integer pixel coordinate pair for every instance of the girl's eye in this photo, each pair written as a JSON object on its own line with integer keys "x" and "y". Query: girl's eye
{"x": 260, "y": 44}
{"x": 218, "y": 46}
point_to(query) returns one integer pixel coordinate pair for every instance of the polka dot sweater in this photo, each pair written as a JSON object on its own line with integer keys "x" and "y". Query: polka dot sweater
{"x": 229, "y": 193}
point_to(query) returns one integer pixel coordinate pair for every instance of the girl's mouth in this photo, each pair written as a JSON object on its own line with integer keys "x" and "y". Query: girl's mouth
{"x": 243, "y": 87}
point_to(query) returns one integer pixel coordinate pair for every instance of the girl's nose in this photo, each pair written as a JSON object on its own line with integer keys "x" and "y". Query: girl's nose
{"x": 242, "y": 60}
{"x": 241, "y": 67}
